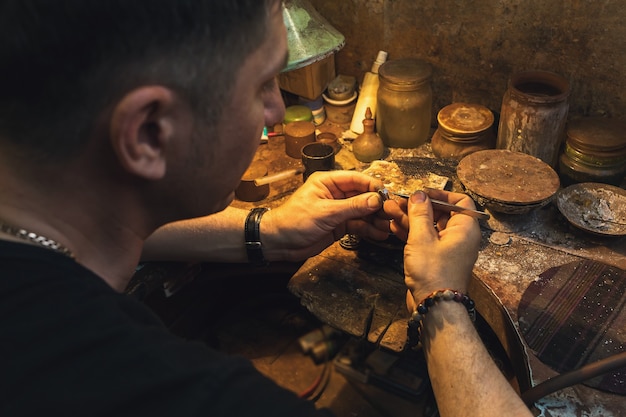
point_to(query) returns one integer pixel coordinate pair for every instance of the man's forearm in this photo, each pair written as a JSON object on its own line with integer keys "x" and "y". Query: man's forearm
{"x": 463, "y": 375}
{"x": 218, "y": 237}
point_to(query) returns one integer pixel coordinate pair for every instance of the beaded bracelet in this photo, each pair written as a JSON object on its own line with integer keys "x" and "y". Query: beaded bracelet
{"x": 414, "y": 328}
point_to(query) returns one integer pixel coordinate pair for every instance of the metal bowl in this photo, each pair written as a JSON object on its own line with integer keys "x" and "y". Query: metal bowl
{"x": 596, "y": 208}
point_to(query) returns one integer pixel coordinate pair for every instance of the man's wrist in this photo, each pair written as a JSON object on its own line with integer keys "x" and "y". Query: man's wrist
{"x": 252, "y": 236}
{"x": 421, "y": 295}
{"x": 452, "y": 313}
{"x": 440, "y": 301}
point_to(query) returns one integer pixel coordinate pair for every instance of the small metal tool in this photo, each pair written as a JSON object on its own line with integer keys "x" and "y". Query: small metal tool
{"x": 442, "y": 205}
{"x": 384, "y": 194}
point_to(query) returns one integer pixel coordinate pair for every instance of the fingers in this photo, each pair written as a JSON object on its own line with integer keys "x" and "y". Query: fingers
{"x": 393, "y": 210}
{"x": 401, "y": 233}
{"x": 331, "y": 198}
{"x": 460, "y": 199}
{"x": 378, "y": 230}
{"x": 381, "y": 223}
{"x": 411, "y": 305}
{"x": 420, "y": 213}
{"x": 359, "y": 206}
{"x": 343, "y": 184}
{"x": 397, "y": 211}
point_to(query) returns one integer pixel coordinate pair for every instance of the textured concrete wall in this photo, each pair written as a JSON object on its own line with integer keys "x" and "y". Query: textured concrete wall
{"x": 474, "y": 46}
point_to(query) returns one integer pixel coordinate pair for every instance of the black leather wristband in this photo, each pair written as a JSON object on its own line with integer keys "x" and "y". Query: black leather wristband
{"x": 253, "y": 236}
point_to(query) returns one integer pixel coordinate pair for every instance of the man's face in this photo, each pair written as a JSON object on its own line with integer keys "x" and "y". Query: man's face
{"x": 255, "y": 102}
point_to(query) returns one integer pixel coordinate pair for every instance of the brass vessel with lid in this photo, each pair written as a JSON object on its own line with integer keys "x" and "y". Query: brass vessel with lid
{"x": 594, "y": 151}
{"x": 463, "y": 128}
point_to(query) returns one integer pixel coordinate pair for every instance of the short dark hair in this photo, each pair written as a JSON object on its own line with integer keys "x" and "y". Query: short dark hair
{"x": 62, "y": 62}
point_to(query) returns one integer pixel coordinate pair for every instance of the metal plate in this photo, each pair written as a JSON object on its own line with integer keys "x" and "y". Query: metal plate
{"x": 506, "y": 181}
{"x": 594, "y": 207}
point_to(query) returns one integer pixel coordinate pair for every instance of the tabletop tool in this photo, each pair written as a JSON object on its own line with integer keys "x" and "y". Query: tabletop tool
{"x": 441, "y": 205}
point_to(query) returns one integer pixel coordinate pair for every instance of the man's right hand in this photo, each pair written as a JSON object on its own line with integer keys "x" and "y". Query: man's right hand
{"x": 442, "y": 256}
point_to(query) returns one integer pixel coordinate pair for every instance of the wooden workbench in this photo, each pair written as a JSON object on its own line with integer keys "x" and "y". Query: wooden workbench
{"x": 342, "y": 287}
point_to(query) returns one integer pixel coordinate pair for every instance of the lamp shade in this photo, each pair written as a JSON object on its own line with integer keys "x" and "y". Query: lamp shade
{"x": 310, "y": 38}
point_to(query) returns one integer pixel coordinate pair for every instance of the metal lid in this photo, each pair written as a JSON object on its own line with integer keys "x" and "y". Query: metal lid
{"x": 405, "y": 74}
{"x": 599, "y": 134}
{"x": 297, "y": 113}
{"x": 464, "y": 118}
{"x": 503, "y": 176}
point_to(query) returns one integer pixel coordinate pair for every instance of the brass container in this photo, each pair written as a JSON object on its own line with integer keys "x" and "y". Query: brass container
{"x": 329, "y": 138}
{"x": 368, "y": 146}
{"x": 298, "y": 134}
{"x": 595, "y": 151}
{"x": 247, "y": 189}
{"x": 463, "y": 128}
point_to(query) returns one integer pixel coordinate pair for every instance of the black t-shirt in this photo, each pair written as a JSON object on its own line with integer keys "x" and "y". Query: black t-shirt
{"x": 70, "y": 345}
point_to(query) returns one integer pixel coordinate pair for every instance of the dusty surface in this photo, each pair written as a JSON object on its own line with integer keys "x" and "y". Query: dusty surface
{"x": 342, "y": 287}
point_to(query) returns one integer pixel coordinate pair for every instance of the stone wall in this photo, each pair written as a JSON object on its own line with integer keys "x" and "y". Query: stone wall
{"x": 474, "y": 46}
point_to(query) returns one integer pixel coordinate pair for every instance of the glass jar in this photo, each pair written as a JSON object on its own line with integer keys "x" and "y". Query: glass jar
{"x": 595, "y": 151}
{"x": 404, "y": 102}
{"x": 463, "y": 128}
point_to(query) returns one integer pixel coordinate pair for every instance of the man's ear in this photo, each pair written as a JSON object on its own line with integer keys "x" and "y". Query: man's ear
{"x": 142, "y": 127}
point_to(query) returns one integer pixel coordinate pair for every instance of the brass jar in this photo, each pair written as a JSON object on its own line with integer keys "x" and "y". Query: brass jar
{"x": 368, "y": 146}
{"x": 594, "y": 151}
{"x": 463, "y": 128}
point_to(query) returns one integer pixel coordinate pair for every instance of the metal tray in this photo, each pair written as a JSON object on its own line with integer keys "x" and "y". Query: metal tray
{"x": 594, "y": 207}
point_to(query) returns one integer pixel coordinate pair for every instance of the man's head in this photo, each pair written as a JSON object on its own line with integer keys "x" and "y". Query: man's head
{"x": 175, "y": 92}
{"x": 63, "y": 62}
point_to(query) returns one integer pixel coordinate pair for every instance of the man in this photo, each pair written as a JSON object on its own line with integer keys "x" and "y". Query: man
{"x": 118, "y": 117}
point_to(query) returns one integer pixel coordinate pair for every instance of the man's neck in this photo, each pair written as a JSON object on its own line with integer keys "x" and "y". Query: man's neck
{"x": 106, "y": 240}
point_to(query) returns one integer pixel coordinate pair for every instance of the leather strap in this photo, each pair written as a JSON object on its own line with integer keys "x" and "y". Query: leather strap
{"x": 253, "y": 236}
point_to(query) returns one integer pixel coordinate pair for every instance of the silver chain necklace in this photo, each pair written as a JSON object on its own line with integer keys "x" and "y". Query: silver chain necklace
{"x": 35, "y": 238}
